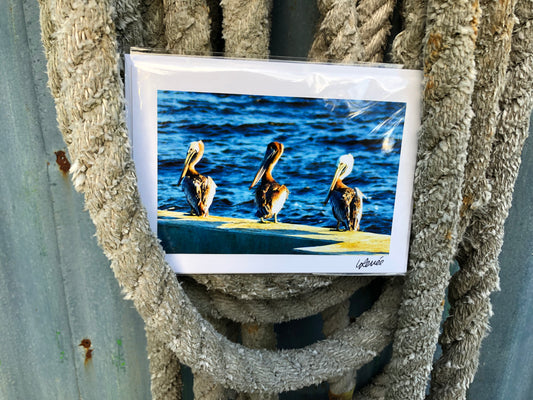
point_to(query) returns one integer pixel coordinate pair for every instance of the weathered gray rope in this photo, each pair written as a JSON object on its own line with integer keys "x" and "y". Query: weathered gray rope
{"x": 102, "y": 169}
{"x": 335, "y": 319}
{"x": 337, "y": 38}
{"x": 246, "y": 27}
{"x": 203, "y": 386}
{"x": 258, "y": 336}
{"x": 492, "y": 55}
{"x": 449, "y": 81}
{"x": 187, "y": 27}
{"x": 48, "y": 30}
{"x": 220, "y": 305}
{"x": 265, "y": 286}
{"x": 95, "y": 34}
{"x": 264, "y": 371}
{"x": 472, "y": 285}
{"x": 408, "y": 44}
{"x": 152, "y": 17}
{"x": 166, "y": 382}
{"x": 82, "y": 65}
{"x": 128, "y": 24}
{"x": 374, "y": 25}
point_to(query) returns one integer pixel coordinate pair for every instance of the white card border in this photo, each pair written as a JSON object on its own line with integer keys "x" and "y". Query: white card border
{"x": 148, "y": 73}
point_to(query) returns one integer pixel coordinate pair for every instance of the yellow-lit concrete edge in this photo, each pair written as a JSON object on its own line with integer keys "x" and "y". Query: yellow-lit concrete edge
{"x": 328, "y": 241}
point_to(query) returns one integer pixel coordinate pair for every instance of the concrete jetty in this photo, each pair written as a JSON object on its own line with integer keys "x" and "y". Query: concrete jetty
{"x": 184, "y": 233}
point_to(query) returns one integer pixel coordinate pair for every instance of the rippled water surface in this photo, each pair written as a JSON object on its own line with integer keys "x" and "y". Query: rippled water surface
{"x": 315, "y": 132}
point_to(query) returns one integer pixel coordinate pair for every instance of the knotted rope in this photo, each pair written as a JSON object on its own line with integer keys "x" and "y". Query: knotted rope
{"x": 79, "y": 39}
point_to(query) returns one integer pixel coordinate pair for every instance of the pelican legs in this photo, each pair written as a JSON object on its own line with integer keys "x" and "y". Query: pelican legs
{"x": 264, "y": 221}
{"x": 347, "y": 228}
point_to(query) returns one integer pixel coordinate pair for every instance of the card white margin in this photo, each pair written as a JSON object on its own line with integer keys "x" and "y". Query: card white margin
{"x": 145, "y": 74}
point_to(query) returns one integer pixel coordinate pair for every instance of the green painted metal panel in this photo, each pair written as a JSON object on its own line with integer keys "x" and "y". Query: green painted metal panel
{"x": 56, "y": 287}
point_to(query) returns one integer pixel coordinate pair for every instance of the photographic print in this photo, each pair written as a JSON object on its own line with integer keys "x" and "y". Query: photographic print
{"x": 254, "y": 172}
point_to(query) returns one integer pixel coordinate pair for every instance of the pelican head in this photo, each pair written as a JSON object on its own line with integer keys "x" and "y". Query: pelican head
{"x": 273, "y": 153}
{"x": 344, "y": 168}
{"x": 194, "y": 154}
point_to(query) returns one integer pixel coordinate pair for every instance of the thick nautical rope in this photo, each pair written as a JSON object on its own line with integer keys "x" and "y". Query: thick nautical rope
{"x": 246, "y": 27}
{"x": 267, "y": 311}
{"x": 103, "y": 170}
{"x": 492, "y": 56}
{"x": 165, "y": 382}
{"x": 470, "y": 310}
{"x": 128, "y": 24}
{"x": 449, "y": 74}
{"x": 265, "y": 286}
{"x": 246, "y": 33}
{"x": 408, "y": 44}
{"x": 352, "y": 31}
{"x": 335, "y": 319}
{"x": 152, "y": 19}
{"x": 337, "y": 38}
{"x": 258, "y": 336}
{"x": 80, "y": 47}
{"x": 203, "y": 386}
{"x": 477, "y": 278}
{"x": 374, "y": 25}
{"x": 187, "y": 27}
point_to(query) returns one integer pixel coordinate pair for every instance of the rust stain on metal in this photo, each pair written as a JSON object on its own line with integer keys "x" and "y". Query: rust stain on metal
{"x": 62, "y": 161}
{"x": 86, "y": 344}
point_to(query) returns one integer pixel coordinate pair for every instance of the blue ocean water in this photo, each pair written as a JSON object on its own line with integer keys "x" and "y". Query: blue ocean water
{"x": 315, "y": 132}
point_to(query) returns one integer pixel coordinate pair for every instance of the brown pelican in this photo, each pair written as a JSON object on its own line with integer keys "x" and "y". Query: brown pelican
{"x": 346, "y": 203}
{"x": 269, "y": 195}
{"x": 199, "y": 190}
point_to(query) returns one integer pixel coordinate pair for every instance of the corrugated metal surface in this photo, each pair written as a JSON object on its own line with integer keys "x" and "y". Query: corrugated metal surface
{"x": 56, "y": 287}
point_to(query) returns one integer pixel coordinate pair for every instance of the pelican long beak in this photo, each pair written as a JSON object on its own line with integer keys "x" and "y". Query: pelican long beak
{"x": 269, "y": 156}
{"x": 341, "y": 168}
{"x": 191, "y": 153}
